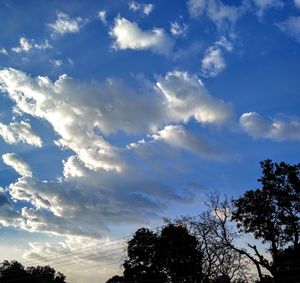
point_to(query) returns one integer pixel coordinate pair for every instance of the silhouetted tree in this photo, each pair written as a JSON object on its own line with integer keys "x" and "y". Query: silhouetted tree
{"x": 141, "y": 264}
{"x": 45, "y": 274}
{"x": 169, "y": 256}
{"x": 13, "y": 271}
{"x": 272, "y": 214}
{"x": 116, "y": 279}
{"x": 217, "y": 258}
{"x": 178, "y": 255}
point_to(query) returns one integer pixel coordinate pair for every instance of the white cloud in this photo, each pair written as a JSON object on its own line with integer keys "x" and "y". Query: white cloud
{"x": 100, "y": 184}
{"x": 278, "y": 129}
{"x": 187, "y": 98}
{"x": 102, "y": 17}
{"x": 65, "y": 24}
{"x": 20, "y": 132}
{"x": 178, "y": 137}
{"x": 297, "y": 3}
{"x": 76, "y": 109}
{"x": 3, "y": 51}
{"x": 291, "y": 26}
{"x": 26, "y": 45}
{"x": 145, "y": 8}
{"x": 213, "y": 62}
{"x": 18, "y": 164}
{"x": 263, "y": 5}
{"x": 222, "y": 15}
{"x": 128, "y": 35}
{"x": 178, "y": 29}
{"x": 78, "y": 118}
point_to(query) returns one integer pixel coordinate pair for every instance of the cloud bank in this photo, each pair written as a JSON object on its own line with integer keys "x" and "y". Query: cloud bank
{"x": 99, "y": 184}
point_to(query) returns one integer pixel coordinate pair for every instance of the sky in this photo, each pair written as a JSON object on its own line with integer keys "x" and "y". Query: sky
{"x": 114, "y": 114}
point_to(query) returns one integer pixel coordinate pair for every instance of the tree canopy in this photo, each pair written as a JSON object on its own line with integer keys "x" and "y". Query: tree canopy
{"x": 169, "y": 256}
{"x": 272, "y": 214}
{"x": 13, "y": 271}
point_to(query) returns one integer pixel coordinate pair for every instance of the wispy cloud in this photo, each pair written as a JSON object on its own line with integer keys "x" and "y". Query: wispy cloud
{"x": 291, "y": 26}
{"x": 263, "y": 5}
{"x": 213, "y": 62}
{"x": 65, "y": 24}
{"x": 27, "y": 45}
{"x": 102, "y": 16}
{"x": 146, "y": 9}
{"x": 178, "y": 29}
{"x": 222, "y": 15}
{"x": 3, "y": 51}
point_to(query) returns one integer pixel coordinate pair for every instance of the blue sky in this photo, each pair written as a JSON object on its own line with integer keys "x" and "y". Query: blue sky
{"x": 114, "y": 114}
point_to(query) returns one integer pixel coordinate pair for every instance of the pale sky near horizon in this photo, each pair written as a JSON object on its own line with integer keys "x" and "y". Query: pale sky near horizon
{"x": 114, "y": 114}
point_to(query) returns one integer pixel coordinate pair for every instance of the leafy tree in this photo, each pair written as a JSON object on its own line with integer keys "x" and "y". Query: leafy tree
{"x": 45, "y": 274}
{"x": 169, "y": 256}
{"x": 13, "y": 271}
{"x": 116, "y": 279}
{"x": 141, "y": 264}
{"x": 178, "y": 254}
{"x": 272, "y": 214}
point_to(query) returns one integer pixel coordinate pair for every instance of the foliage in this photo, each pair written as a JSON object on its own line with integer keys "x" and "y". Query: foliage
{"x": 13, "y": 271}
{"x": 116, "y": 279}
{"x": 169, "y": 256}
{"x": 272, "y": 214}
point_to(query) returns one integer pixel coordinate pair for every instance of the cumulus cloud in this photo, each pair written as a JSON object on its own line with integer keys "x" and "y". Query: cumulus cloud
{"x": 76, "y": 108}
{"x": 291, "y": 26}
{"x": 297, "y": 3}
{"x": 187, "y": 98}
{"x": 20, "y": 132}
{"x": 128, "y": 35}
{"x": 65, "y": 24}
{"x": 27, "y": 45}
{"x": 278, "y": 129}
{"x": 17, "y": 163}
{"x": 146, "y": 9}
{"x": 99, "y": 184}
{"x": 213, "y": 62}
{"x": 222, "y": 15}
